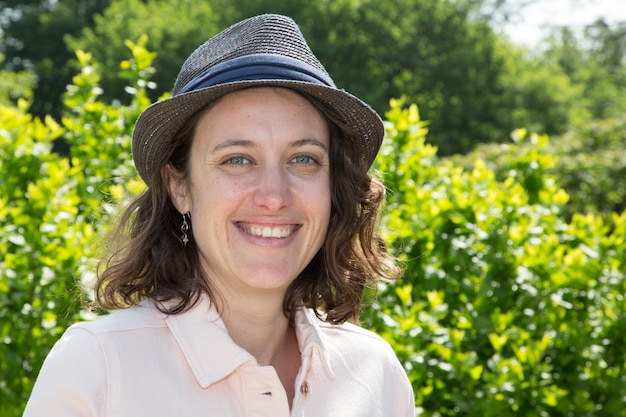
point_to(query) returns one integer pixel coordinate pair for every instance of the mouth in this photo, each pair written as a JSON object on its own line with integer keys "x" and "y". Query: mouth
{"x": 276, "y": 232}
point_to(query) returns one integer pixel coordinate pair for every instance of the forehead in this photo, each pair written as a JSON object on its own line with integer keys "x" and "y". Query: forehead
{"x": 240, "y": 100}
{"x": 262, "y": 112}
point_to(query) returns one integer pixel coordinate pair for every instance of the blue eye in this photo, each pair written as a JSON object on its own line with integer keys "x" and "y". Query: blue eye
{"x": 304, "y": 159}
{"x": 237, "y": 160}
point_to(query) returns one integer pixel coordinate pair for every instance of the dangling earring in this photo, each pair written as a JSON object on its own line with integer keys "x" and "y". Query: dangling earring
{"x": 185, "y": 228}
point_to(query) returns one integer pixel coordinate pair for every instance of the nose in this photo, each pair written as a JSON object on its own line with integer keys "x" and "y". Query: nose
{"x": 273, "y": 191}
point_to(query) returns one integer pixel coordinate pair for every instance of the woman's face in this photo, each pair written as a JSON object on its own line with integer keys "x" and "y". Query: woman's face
{"x": 257, "y": 188}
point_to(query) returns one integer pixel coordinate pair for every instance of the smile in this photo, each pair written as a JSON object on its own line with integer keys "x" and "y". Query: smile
{"x": 278, "y": 232}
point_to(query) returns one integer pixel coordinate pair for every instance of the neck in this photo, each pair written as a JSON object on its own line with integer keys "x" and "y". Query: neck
{"x": 263, "y": 331}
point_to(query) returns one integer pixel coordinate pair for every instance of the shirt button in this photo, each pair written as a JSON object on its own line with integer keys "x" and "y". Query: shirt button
{"x": 304, "y": 388}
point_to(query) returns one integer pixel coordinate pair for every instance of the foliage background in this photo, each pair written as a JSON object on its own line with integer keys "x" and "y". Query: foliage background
{"x": 507, "y": 307}
{"x": 515, "y": 253}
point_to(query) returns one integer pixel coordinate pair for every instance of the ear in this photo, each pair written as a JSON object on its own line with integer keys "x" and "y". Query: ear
{"x": 178, "y": 189}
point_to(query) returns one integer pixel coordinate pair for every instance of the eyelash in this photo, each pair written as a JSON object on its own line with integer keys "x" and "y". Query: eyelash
{"x": 238, "y": 160}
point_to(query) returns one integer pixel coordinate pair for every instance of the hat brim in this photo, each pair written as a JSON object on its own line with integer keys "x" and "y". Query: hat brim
{"x": 158, "y": 124}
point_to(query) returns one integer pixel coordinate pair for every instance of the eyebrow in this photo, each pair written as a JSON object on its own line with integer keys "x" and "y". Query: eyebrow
{"x": 304, "y": 142}
{"x": 234, "y": 143}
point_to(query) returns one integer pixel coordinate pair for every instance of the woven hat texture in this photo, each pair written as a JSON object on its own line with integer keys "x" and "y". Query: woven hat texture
{"x": 265, "y": 50}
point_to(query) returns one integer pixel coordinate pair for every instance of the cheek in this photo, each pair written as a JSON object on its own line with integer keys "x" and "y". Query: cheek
{"x": 320, "y": 202}
{"x": 215, "y": 202}
{"x": 209, "y": 189}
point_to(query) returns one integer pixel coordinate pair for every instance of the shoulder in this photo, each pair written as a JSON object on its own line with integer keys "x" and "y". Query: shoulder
{"x": 85, "y": 341}
{"x": 348, "y": 344}
{"x": 143, "y": 315}
{"x": 365, "y": 362}
{"x": 355, "y": 337}
{"x": 121, "y": 330}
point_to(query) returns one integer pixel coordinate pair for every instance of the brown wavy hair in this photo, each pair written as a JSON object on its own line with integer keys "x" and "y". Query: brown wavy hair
{"x": 147, "y": 258}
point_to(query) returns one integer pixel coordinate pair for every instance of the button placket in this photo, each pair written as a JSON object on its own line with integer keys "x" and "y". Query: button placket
{"x": 302, "y": 385}
{"x": 265, "y": 395}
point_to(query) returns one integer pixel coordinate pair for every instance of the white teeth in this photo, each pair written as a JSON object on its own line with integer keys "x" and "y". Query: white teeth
{"x": 275, "y": 232}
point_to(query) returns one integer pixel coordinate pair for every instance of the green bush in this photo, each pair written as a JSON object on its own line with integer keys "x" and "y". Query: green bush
{"x": 54, "y": 211}
{"x": 40, "y": 232}
{"x": 506, "y": 308}
{"x": 591, "y": 165}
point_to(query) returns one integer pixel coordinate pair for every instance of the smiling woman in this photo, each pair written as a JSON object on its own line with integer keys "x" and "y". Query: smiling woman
{"x": 239, "y": 269}
{"x": 257, "y": 186}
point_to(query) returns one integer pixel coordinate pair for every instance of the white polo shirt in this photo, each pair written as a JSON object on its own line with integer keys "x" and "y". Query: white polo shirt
{"x": 140, "y": 362}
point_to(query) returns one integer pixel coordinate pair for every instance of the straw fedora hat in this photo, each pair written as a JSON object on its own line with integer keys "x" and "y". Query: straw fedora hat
{"x": 265, "y": 50}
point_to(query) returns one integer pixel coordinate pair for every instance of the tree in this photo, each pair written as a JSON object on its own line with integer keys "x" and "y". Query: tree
{"x": 543, "y": 96}
{"x": 473, "y": 86}
{"x": 15, "y": 85}
{"x": 595, "y": 61}
{"x": 442, "y": 55}
{"x": 34, "y": 32}
{"x": 174, "y": 29}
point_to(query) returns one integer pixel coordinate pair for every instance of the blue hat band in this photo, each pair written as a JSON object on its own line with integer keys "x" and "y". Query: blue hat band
{"x": 258, "y": 67}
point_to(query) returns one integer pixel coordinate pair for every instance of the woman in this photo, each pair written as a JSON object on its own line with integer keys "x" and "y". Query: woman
{"x": 237, "y": 272}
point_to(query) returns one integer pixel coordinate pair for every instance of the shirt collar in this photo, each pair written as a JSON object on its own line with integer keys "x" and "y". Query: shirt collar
{"x": 311, "y": 340}
{"x": 212, "y": 355}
